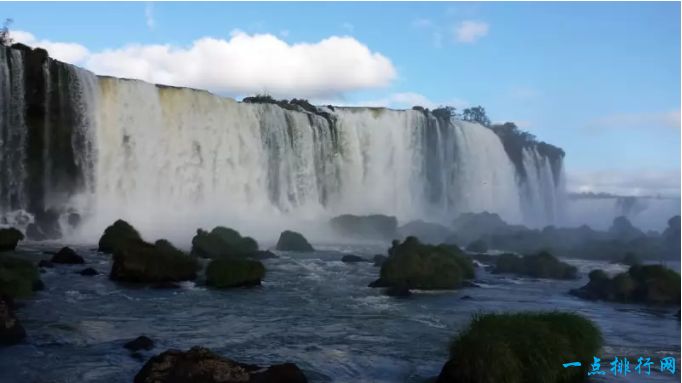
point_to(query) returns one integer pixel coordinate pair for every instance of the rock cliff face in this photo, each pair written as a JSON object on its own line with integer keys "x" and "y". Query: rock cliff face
{"x": 73, "y": 144}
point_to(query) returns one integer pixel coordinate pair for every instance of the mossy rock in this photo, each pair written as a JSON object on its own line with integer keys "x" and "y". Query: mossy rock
{"x": 117, "y": 235}
{"x": 646, "y": 284}
{"x": 142, "y": 262}
{"x": 222, "y": 242}
{"x": 293, "y": 241}
{"x": 9, "y": 238}
{"x": 541, "y": 265}
{"x": 528, "y": 347}
{"x": 19, "y": 278}
{"x": 234, "y": 272}
{"x": 414, "y": 265}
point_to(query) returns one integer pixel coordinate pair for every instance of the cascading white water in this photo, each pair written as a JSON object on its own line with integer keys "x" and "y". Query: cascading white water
{"x": 173, "y": 159}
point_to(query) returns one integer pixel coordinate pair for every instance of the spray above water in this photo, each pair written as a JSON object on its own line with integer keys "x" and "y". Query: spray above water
{"x": 170, "y": 160}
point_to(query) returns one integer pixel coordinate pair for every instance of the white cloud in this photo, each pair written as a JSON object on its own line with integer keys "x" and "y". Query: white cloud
{"x": 639, "y": 182}
{"x": 470, "y": 31}
{"x": 149, "y": 15}
{"x": 243, "y": 64}
{"x": 667, "y": 119}
{"x": 68, "y": 52}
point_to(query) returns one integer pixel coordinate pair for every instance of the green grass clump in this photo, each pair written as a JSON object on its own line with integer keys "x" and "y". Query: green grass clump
{"x": 541, "y": 265}
{"x": 414, "y": 265}
{"x": 527, "y": 347}
{"x": 222, "y": 241}
{"x": 18, "y": 277}
{"x": 234, "y": 272}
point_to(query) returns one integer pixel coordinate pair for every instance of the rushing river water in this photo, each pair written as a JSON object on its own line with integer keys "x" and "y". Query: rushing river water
{"x": 312, "y": 310}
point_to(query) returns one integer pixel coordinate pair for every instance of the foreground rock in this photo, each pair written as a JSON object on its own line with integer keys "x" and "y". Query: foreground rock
{"x": 140, "y": 343}
{"x": 88, "y": 272}
{"x": 19, "y": 278}
{"x": 11, "y": 331}
{"x": 293, "y": 241}
{"x": 234, "y": 272}
{"x": 202, "y": 365}
{"x": 413, "y": 265}
{"x": 142, "y": 262}
{"x": 379, "y": 259}
{"x": 350, "y": 258}
{"x": 368, "y": 226}
{"x": 508, "y": 343}
{"x": 117, "y": 235}
{"x": 67, "y": 255}
{"x": 541, "y": 265}
{"x": 651, "y": 284}
{"x": 222, "y": 242}
{"x": 9, "y": 238}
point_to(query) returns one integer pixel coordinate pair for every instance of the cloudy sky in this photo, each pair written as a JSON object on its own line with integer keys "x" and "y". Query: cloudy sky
{"x": 601, "y": 80}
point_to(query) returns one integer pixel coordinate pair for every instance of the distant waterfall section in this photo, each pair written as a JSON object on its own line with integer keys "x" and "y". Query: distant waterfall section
{"x": 76, "y": 148}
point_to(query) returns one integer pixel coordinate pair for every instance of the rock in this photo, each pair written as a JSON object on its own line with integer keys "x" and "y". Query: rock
{"x": 369, "y": 226}
{"x": 165, "y": 285}
{"x": 234, "y": 272}
{"x": 647, "y": 284}
{"x": 222, "y": 242}
{"x": 508, "y": 341}
{"x": 379, "y": 259}
{"x": 45, "y": 264}
{"x": 541, "y": 265}
{"x": 140, "y": 343}
{"x": 67, "y": 256}
{"x": 116, "y": 236}
{"x": 478, "y": 246}
{"x": 19, "y": 278}
{"x": 418, "y": 266}
{"x": 202, "y": 365}
{"x": 468, "y": 284}
{"x": 38, "y": 285}
{"x": 9, "y": 238}
{"x": 350, "y": 258}
{"x": 11, "y": 331}
{"x": 142, "y": 262}
{"x": 398, "y": 292}
{"x": 466, "y": 298}
{"x": 263, "y": 254}
{"x": 89, "y": 272}
{"x": 293, "y": 241}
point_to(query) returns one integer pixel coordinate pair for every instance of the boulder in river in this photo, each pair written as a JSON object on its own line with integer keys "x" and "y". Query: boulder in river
{"x": 414, "y": 265}
{"x": 229, "y": 272}
{"x": 350, "y": 258}
{"x": 116, "y": 236}
{"x": 293, "y": 241}
{"x": 9, "y": 238}
{"x": 89, "y": 272}
{"x": 540, "y": 265}
{"x": 202, "y": 365}
{"x": 67, "y": 255}
{"x": 19, "y": 278}
{"x": 222, "y": 242}
{"x": 143, "y": 262}
{"x": 11, "y": 331}
{"x": 140, "y": 343}
{"x": 379, "y": 259}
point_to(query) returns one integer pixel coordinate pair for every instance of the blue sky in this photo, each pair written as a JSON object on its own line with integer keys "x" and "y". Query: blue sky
{"x": 601, "y": 80}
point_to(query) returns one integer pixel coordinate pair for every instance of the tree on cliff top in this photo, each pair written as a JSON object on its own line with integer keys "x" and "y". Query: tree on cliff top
{"x": 476, "y": 114}
{"x": 5, "y": 38}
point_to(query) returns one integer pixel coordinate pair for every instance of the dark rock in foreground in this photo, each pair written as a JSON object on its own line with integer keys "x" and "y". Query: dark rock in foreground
{"x": 89, "y": 272}
{"x": 650, "y": 284}
{"x": 202, "y": 365}
{"x": 293, "y": 241}
{"x": 222, "y": 242}
{"x": 375, "y": 226}
{"x": 140, "y": 343}
{"x": 67, "y": 255}
{"x": 234, "y": 272}
{"x": 263, "y": 254}
{"x": 139, "y": 261}
{"x": 379, "y": 259}
{"x": 541, "y": 265}
{"x": 9, "y": 238}
{"x": 513, "y": 345}
{"x": 19, "y": 278}
{"x": 116, "y": 236}
{"x": 414, "y": 265}
{"x": 398, "y": 292}
{"x": 350, "y": 258}
{"x": 11, "y": 331}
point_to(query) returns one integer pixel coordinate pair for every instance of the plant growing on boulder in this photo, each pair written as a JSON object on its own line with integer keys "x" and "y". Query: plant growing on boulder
{"x": 541, "y": 265}
{"x": 414, "y": 265}
{"x": 222, "y": 241}
{"x": 9, "y": 237}
{"x": 19, "y": 278}
{"x": 527, "y": 347}
{"x": 293, "y": 241}
{"x": 143, "y": 262}
{"x": 116, "y": 236}
{"x": 233, "y": 272}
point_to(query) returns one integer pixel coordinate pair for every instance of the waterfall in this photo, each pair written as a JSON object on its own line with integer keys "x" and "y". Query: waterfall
{"x": 172, "y": 158}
